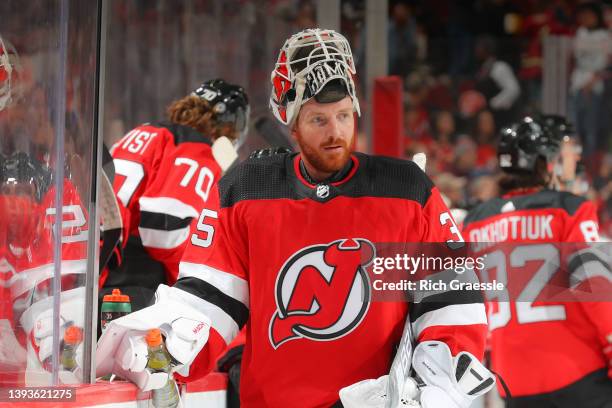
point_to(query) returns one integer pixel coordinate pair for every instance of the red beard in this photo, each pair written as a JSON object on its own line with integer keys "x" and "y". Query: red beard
{"x": 323, "y": 159}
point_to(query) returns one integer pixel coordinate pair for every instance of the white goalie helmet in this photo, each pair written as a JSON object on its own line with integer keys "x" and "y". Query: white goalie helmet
{"x": 9, "y": 72}
{"x": 307, "y": 62}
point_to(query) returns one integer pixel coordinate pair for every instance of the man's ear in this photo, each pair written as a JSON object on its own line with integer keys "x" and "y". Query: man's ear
{"x": 294, "y": 129}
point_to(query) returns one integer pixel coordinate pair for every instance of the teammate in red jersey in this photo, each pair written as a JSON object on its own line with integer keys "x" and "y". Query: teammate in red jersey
{"x": 551, "y": 354}
{"x": 282, "y": 251}
{"x": 164, "y": 175}
{"x": 27, "y": 205}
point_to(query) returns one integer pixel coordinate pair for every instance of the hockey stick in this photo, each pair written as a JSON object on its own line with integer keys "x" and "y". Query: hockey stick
{"x": 402, "y": 363}
{"x": 224, "y": 153}
{"x": 110, "y": 214}
{"x": 271, "y": 134}
{"x": 400, "y": 368}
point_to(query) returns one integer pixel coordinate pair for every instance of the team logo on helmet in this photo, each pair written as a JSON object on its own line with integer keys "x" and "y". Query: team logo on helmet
{"x": 322, "y": 292}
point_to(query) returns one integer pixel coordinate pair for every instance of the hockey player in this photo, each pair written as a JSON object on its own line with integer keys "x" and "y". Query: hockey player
{"x": 164, "y": 176}
{"x": 27, "y": 205}
{"x": 551, "y": 354}
{"x": 282, "y": 254}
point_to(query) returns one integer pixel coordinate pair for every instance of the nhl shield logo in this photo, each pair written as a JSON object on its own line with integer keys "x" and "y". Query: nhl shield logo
{"x": 322, "y": 191}
{"x": 322, "y": 292}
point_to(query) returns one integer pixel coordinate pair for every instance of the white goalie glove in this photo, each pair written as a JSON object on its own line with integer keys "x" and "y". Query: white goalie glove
{"x": 373, "y": 394}
{"x": 37, "y": 321}
{"x": 444, "y": 381}
{"x": 122, "y": 349}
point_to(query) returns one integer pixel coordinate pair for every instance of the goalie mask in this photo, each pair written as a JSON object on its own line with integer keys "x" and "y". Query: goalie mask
{"x": 310, "y": 61}
{"x": 230, "y": 105}
{"x": 9, "y": 72}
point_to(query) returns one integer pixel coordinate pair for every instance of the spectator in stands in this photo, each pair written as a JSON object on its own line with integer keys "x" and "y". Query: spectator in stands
{"x": 546, "y": 19}
{"x": 452, "y": 188}
{"x": 443, "y": 154}
{"x": 496, "y": 81}
{"x": 481, "y": 189}
{"x": 484, "y": 133}
{"x": 587, "y": 82}
{"x": 402, "y": 39}
{"x": 466, "y": 154}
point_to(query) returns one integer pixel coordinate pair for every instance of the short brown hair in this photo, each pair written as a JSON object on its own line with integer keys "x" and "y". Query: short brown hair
{"x": 197, "y": 113}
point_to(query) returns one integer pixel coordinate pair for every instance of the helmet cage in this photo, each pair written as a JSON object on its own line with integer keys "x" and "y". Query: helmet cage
{"x": 307, "y": 62}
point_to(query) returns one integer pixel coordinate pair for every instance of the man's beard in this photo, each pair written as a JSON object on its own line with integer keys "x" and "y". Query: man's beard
{"x": 322, "y": 162}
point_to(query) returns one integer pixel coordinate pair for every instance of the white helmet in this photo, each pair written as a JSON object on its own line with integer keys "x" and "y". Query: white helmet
{"x": 9, "y": 70}
{"x": 307, "y": 62}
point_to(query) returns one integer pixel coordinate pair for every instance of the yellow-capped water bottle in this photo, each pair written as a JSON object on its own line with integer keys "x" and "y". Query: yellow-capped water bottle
{"x": 72, "y": 338}
{"x": 160, "y": 361}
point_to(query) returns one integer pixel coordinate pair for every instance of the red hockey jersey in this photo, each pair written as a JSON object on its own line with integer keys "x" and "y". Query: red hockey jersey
{"x": 27, "y": 266}
{"x": 282, "y": 256}
{"x": 542, "y": 346}
{"x": 164, "y": 176}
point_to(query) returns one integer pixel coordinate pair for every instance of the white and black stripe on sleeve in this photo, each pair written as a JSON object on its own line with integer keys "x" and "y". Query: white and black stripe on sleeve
{"x": 591, "y": 262}
{"x": 222, "y": 296}
{"x": 164, "y": 222}
{"x": 449, "y": 307}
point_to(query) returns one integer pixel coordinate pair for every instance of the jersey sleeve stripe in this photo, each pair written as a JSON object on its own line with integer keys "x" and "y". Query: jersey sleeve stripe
{"x": 167, "y": 205}
{"x": 227, "y": 283}
{"x": 588, "y": 266}
{"x": 231, "y": 307}
{"x": 580, "y": 260}
{"x": 219, "y": 320}
{"x": 452, "y": 315}
{"x": 27, "y": 280}
{"x": 444, "y": 299}
{"x": 165, "y": 222}
{"x": 153, "y": 238}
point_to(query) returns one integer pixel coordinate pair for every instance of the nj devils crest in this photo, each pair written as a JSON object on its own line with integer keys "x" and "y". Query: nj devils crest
{"x": 322, "y": 292}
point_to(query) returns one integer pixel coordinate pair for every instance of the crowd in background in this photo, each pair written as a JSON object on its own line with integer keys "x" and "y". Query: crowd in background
{"x": 472, "y": 67}
{"x": 469, "y": 68}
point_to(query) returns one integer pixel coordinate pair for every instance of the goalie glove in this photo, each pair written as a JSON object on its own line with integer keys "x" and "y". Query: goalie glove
{"x": 453, "y": 382}
{"x": 373, "y": 394}
{"x": 122, "y": 349}
{"x": 37, "y": 322}
{"x": 443, "y": 381}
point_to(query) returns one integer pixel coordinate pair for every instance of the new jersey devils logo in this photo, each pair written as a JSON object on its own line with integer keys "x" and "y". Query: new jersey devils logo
{"x": 322, "y": 292}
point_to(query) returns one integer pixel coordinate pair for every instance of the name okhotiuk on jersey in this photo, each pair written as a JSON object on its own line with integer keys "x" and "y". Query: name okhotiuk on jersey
{"x": 541, "y": 347}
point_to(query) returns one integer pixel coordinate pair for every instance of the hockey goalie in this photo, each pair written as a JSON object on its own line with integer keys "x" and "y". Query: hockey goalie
{"x": 284, "y": 253}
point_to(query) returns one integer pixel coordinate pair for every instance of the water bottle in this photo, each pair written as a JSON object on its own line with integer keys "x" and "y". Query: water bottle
{"x": 113, "y": 307}
{"x": 72, "y": 338}
{"x": 160, "y": 361}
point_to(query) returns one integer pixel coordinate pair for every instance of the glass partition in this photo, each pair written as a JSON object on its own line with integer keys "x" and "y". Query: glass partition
{"x": 47, "y": 62}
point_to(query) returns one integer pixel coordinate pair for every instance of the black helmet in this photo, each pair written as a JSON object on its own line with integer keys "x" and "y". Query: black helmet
{"x": 21, "y": 168}
{"x": 522, "y": 143}
{"x": 229, "y": 102}
{"x": 557, "y": 124}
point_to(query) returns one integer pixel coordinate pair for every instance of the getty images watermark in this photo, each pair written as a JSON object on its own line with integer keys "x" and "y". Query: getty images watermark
{"x": 525, "y": 272}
